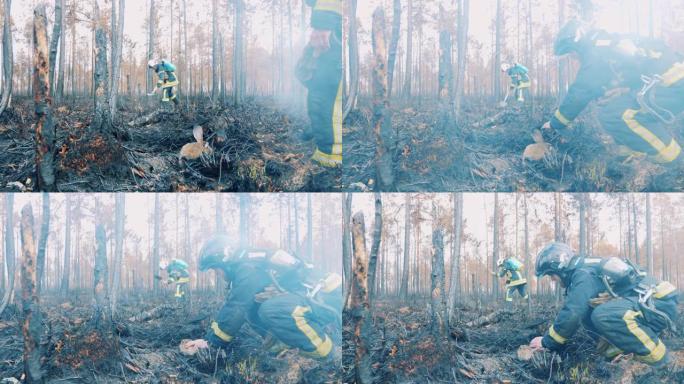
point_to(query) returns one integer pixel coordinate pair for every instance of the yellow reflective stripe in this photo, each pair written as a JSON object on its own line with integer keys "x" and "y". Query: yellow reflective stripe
{"x": 525, "y": 84}
{"x": 183, "y": 280}
{"x": 563, "y": 120}
{"x": 665, "y": 154}
{"x": 558, "y": 338}
{"x": 656, "y": 351}
{"x": 673, "y": 75}
{"x": 219, "y": 333}
{"x": 326, "y": 159}
{"x": 329, "y": 5}
{"x": 322, "y": 347}
{"x": 170, "y": 84}
{"x": 337, "y": 123}
{"x": 663, "y": 289}
{"x": 517, "y": 282}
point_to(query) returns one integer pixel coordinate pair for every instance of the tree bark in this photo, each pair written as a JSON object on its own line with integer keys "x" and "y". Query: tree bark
{"x": 309, "y": 228}
{"x": 119, "y": 232}
{"x": 7, "y": 58}
{"x": 462, "y": 41}
{"x": 455, "y": 275}
{"x": 394, "y": 43}
{"x": 42, "y": 242}
{"x": 582, "y": 224}
{"x": 403, "y": 292}
{"x": 10, "y": 265}
{"x": 445, "y": 75}
{"x": 375, "y": 246}
{"x": 382, "y": 123}
{"x": 440, "y": 322}
{"x": 156, "y": 241}
{"x": 117, "y": 47}
{"x": 353, "y": 61}
{"x": 56, "y": 37}
{"x": 408, "y": 68}
{"x": 346, "y": 243}
{"x": 497, "y": 50}
{"x": 360, "y": 305}
{"x": 102, "y": 317}
{"x": 64, "y": 287}
{"x": 238, "y": 55}
{"x": 59, "y": 91}
{"x": 45, "y": 129}
{"x": 150, "y": 45}
{"x": 31, "y": 315}
{"x": 214, "y": 52}
{"x": 495, "y": 250}
{"x": 649, "y": 236}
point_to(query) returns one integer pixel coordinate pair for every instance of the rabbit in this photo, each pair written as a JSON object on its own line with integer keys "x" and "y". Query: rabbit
{"x": 193, "y": 151}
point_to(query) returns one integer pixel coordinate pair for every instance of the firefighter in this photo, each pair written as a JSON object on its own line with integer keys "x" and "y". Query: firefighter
{"x": 269, "y": 291}
{"x": 167, "y": 81}
{"x": 637, "y": 83}
{"x": 520, "y": 80}
{"x": 613, "y": 299}
{"x": 320, "y": 70}
{"x": 177, "y": 271}
{"x": 511, "y": 268}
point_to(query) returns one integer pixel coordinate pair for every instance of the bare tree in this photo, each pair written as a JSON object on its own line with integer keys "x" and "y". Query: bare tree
{"x": 214, "y": 52}
{"x": 649, "y": 236}
{"x": 394, "y": 43}
{"x": 346, "y": 243}
{"x": 382, "y": 123}
{"x": 462, "y": 43}
{"x": 7, "y": 58}
{"x": 375, "y": 246}
{"x": 32, "y": 318}
{"x": 56, "y": 37}
{"x": 239, "y": 83}
{"x": 409, "y": 51}
{"x": 117, "y": 47}
{"x": 64, "y": 287}
{"x": 353, "y": 61}
{"x": 156, "y": 241}
{"x": 151, "y": 24}
{"x": 42, "y": 242}
{"x": 45, "y": 129}
{"x": 440, "y": 324}
{"x": 403, "y": 291}
{"x": 119, "y": 231}
{"x": 102, "y": 318}
{"x": 9, "y": 250}
{"x": 495, "y": 250}
{"x": 455, "y": 275}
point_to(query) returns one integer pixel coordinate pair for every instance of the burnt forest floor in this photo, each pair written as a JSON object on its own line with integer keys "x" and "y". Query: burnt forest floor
{"x": 255, "y": 147}
{"x": 482, "y": 151}
{"x": 403, "y": 349}
{"x": 146, "y": 349}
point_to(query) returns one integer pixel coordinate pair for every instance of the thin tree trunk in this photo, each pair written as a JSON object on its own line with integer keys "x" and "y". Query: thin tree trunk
{"x": 59, "y": 92}
{"x": 375, "y": 246}
{"x": 10, "y": 265}
{"x": 455, "y": 275}
{"x": 117, "y": 47}
{"x": 394, "y": 43}
{"x": 45, "y": 129}
{"x": 360, "y": 304}
{"x": 102, "y": 317}
{"x": 440, "y": 322}
{"x": 42, "y": 242}
{"x": 7, "y": 58}
{"x": 309, "y": 228}
{"x": 56, "y": 33}
{"x": 382, "y": 123}
{"x": 353, "y": 61}
{"x": 495, "y": 249}
{"x": 30, "y": 300}
{"x": 409, "y": 51}
{"x": 156, "y": 240}
{"x": 150, "y": 45}
{"x": 582, "y": 224}
{"x": 214, "y": 52}
{"x": 649, "y": 236}
{"x": 462, "y": 41}
{"x": 346, "y": 243}
{"x": 119, "y": 231}
{"x": 244, "y": 219}
{"x": 64, "y": 287}
{"x": 497, "y": 49}
{"x": 403, "y": 292}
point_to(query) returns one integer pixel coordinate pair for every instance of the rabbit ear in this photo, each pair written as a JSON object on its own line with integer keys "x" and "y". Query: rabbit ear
{"x": 198, "y": 132}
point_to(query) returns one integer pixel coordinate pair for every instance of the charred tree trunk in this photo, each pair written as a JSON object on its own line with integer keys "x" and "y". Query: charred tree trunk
{"x": 382, "y": 124}
{"x": 45, "y": 129}
{"x": 10, "y": 265}
{"x": 42, "y": 242}
{"x": 56, "y": 37}
{"x": 440, "y": 323}
{"x": 394, "y": 43}
{"x": 360, "y": 305}
{"x": 31, "y": 316}
{"x": 375, "y": 246}
{"x": 346, "y": 245}
{"x": 7, "y": 58}
{"x": 353, "y": 61}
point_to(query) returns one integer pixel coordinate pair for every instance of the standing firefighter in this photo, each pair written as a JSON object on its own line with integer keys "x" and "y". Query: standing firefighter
{"x": 520, "y": 81}
{"x": 613, "y": 299}
{"x": 638, "y": 84}
{"x": 167, "y": 81}
{"x": 270, "y": 290}
{"x": 177, "y": 271}
{"x": 511, "y": 268}
{"x": 320, "y": 70}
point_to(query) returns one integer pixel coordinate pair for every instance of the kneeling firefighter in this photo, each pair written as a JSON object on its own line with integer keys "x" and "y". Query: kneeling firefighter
{"x": 637, "y": 83}
{"x": 277, "y": 294}
{"x": 520, "y": 81}
{"x": 613, "y": 299}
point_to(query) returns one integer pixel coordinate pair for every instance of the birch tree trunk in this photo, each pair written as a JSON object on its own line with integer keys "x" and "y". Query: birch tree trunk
{"x": 375, "y": 246}
{"x": 455, "y": 275}
{"x": 440, "y": 323}
{"x": 9, "y": 261}
{"x": 44, "y": 127}
{"x": 56, "y": 33}
{"x": 31, "y": 316}
{"x": 7, "y": 58}
{"x": 394, "y": 43}
{"x": 119, "y": 232}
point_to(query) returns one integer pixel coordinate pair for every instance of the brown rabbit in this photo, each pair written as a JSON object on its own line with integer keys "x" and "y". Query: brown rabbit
{"x": 195, "y": 150}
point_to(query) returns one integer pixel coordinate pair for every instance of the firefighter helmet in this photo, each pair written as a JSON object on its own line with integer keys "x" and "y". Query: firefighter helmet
{"x": 215, "y": 252}
{"x": 500, "y": 262}
{"x": 554, "y": 259}
{"x": 152, "y": 63}
{"x": 163, "y": 264}
{"x": 568, "y": 37}
{"x": 505, "y": 67}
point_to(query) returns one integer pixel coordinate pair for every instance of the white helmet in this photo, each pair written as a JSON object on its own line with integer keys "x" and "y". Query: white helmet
{"x": 151, "y": 63}
{"x": 505, "y": 67}
{"x": 163, "y": 264}
{"x": 500, "y": 262}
